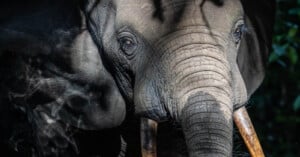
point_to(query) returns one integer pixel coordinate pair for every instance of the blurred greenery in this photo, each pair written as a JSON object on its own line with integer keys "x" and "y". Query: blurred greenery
{"x": 275, "y": 107}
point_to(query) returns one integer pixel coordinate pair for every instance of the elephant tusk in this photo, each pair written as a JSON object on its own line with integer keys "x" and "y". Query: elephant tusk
{"x": 246, "y": 129}
{"x": 148, "y": 137}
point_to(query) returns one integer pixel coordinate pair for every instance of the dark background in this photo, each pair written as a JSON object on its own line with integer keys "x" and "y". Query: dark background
{"x": 275, "y": 107}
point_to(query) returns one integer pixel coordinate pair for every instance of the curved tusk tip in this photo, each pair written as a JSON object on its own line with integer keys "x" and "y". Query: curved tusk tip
{"x": 247, "y": 131}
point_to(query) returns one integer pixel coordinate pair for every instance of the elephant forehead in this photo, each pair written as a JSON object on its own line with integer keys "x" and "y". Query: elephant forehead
{"x": 154, "y": 18}
{"x": 139, "y": 15}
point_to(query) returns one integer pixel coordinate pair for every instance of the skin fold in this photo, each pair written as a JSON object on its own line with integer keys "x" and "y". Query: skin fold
{"x": 180, "y": 65}
{"x": 100, "y": 64}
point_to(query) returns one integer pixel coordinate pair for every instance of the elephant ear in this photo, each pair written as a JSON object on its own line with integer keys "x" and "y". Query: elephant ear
{"x": 256, "y": 43}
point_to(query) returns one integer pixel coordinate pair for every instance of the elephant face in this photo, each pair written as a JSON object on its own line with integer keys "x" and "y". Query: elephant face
{"x": 149, "y": 47}
{"x": 181, "y": 60}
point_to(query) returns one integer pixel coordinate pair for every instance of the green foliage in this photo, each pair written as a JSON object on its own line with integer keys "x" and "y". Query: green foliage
{"x": 286, "y": 40}
{"x": 275, "y": 106}
{"x": 296, "y": 104}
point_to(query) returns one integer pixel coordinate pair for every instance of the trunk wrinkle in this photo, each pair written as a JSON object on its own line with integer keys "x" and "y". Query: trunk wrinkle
{"x": 184, "y": 48}
{"x": 206, "y": 53}
{"x": 223, "y": 84}
{"x": 199, "y": 61}
{"x": 207, "y": 129}
{"x": 208, "y": 90}
{"x": 195, "y": 102}
{"x": 183, "y": 30}
{"x": 209, "y": 70}
{"x": 197, "y": 50}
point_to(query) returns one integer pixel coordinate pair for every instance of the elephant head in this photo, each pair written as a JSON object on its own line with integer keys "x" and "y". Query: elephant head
{"x": 190, "y": 61}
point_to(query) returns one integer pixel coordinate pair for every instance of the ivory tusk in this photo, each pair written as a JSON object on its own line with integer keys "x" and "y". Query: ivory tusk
{"x": 246, "y": 129}
{"x": 148, "y": 137}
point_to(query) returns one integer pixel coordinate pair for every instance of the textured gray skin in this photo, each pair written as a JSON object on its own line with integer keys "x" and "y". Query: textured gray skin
{"x": 183, "y": 65}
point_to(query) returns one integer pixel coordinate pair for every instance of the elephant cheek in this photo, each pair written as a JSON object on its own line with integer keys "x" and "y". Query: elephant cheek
{"x": 240, "y": 95}
{"x": 147, "y": 100}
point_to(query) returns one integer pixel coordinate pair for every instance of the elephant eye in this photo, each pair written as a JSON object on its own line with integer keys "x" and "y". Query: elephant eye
{"x": 238, "y": 33}
{"x": 127, "y": 43}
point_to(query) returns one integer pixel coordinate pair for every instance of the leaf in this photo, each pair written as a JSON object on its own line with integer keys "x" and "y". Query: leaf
{"x": 292, "y": 55}
{"x": 292, "y": 32}
{"x": 273, "y": 57}
{"x": 294, "y": 11}
{"x": 281, "y": 63}
{"x": 296, "y": 105}
{"x": 279, "y": 49}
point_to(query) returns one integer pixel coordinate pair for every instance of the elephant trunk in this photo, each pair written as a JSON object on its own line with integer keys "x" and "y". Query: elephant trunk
{"x": 207, "y": 130}
{"x": 206, "y": 117}
{"x": 194, "y": 86}
{"x": 204, "y": 100}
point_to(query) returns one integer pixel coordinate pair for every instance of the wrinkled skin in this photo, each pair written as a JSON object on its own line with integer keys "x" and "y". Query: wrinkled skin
{"x": 188, "y": 62}
{"x": 177, "y": 60}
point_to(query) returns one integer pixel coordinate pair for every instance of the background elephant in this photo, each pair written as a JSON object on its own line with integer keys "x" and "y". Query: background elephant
{"x": 189, "y": 62}
{"x": 53, "y": 83}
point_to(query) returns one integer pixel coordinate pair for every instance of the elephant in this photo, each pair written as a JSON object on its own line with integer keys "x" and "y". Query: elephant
{"x": 190, "y": 61}
{"x": 98, "y": 64}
